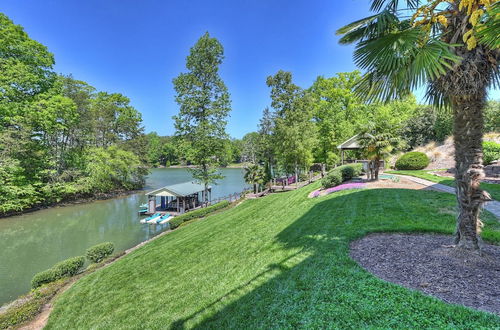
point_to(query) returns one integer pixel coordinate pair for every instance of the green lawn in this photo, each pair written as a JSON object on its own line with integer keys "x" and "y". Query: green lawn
{"x": 492, "y": 188}
{"x": 276, "y": 262}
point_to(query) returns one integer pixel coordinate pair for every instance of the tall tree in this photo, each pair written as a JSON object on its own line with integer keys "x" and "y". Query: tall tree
{"x": 335, "y": 112}
{"x": 451, "y": 45}
{"x": 25, "y": 70}
{"x": 266, "y": 141}
{"x": 295, "y": 133}
{"x": 204, "y": 107}
{"x": 250, "y": 147}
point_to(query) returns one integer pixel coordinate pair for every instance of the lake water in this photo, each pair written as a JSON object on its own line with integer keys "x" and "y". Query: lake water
{"x": 35, "y": 241}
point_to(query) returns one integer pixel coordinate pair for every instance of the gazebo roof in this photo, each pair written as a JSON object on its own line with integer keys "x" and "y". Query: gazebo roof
{"x": 350, "y": 144}
{"x": 178, "y": 190}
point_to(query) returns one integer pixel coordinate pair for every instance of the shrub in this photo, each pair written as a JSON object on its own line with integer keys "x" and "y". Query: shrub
{"x": 340, "y": 174}
{"x": 347, "y": 172}
{"x": 98, "y": 252}
{"x": 177, "y": 221}
{"x": 44, "y": 277}
{"x": 332, "y": 179}
{"x": 412, "y": 161}
{"x": 491, "y": 151}
{"x": 68, "y": 267}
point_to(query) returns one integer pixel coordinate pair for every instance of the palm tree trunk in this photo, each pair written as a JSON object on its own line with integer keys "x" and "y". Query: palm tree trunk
{"x": 468, "y": 133}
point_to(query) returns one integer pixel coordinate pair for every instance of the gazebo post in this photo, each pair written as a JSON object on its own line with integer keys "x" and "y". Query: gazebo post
{"x": 342, "y": 155}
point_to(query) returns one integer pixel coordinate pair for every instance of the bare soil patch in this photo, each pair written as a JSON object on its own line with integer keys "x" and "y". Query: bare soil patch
{"x": 427, "y": 263}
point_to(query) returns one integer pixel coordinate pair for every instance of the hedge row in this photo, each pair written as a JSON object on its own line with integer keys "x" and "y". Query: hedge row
{"x": 340, "y": 174}
{"x": 178, "y": 220}
{"x": 71, "y": 267}
{"x": 66, "y": 268}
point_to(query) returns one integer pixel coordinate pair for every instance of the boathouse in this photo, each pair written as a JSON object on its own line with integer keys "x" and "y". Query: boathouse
{"x": 177, "y": 198}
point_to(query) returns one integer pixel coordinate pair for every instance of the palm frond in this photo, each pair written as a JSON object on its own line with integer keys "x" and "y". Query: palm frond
{"x": 489, "y": 31}
{"x": 369, "y": 27}
{"x": 393, "y": 5}
{"x": 400, "y": 62}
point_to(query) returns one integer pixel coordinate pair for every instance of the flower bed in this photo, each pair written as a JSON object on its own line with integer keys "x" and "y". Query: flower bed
{"x": 345, "y": 186}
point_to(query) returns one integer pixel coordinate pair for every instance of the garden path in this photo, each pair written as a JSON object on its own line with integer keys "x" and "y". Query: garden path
{"x": 493, "y": 206}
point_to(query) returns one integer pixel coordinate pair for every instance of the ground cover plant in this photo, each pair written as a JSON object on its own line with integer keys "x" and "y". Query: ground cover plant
{"x": 277, "y": 261}
{"x": 492, "y": 188}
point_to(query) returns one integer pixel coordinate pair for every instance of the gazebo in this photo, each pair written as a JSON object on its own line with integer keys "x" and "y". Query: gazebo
{"x": 350, "y": 144}
{"x": 177, "y": 198}
{"x": 353, "y": 144}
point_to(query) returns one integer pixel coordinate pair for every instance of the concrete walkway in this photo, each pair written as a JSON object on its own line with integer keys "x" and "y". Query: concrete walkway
{"x": 493, "y": 206}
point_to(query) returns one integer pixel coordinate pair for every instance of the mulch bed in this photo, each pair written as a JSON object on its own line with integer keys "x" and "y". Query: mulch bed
{"x": 427, "y": 263}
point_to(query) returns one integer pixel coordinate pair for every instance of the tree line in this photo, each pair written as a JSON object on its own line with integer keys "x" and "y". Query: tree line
{"x": 60, "y": 138}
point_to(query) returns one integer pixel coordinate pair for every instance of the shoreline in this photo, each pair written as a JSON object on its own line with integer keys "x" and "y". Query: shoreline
{"x": 71, "y": 202}
{"x": 40, "y": 319}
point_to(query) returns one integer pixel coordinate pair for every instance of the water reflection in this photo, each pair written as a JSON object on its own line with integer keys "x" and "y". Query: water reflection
{"x": 35, "y": 241}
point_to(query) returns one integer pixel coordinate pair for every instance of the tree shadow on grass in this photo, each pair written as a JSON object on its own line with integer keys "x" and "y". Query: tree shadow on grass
{"x": 320, "y": 286}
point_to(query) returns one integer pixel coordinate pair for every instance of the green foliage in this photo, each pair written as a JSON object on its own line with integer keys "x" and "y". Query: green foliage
{"x": 65, "y": 268}
{"x": 254, "y": 174}
{"x": 29, "y": 306}
{"x": 49, "y": 125}
{"x": 178, "y": 220}
{"x": 47, "y": 276}
{"x": 428, "y": 124}
{"x": 112, "y": 168}
{"x": 491, "y": 152}
{"x": 203, "y": 110}
{"x": 99, "y": 252}
{"x": 332, "y": 179}
{"x": 294, "y": 131}
{"x": 492, "y": 116}
{"x": 412, "y": 161}
{"x": 69, "y": 267}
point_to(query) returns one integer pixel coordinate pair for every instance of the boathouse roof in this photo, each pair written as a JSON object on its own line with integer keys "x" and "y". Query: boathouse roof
{"x": 178, "y": 190}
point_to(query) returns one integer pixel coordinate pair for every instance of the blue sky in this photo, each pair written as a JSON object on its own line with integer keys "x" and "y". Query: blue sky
{"x": 137, "y": 47}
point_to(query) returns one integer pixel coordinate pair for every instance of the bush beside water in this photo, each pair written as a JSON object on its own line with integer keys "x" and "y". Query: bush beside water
{"x": 44, "y": 277}
{"x": 177, "y": 221}
{"x": 66, "y": 268}
{"x": 99, "y": 252}
{"x": 414, "y": 160}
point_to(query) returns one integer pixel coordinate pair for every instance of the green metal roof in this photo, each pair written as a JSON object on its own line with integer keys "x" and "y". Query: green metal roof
{"x": 179, "y": 190}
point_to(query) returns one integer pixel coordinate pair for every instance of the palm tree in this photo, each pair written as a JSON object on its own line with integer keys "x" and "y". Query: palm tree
{"x": 377, "y": 147}
{"x": 254, "y": 174}
{"x": 453, "y": 47}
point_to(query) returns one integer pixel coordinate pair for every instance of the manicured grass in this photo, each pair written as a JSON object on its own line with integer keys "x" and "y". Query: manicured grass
{"x": 277, "y": 262}
{"x": 492, "y": 188}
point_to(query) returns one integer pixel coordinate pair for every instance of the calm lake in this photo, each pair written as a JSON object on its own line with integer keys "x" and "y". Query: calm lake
{"x": 35, "y": 241}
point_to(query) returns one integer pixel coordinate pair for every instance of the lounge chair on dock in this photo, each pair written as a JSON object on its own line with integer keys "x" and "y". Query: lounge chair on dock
{"x": 151, "y": 218}
{"x": 163, "y": 217}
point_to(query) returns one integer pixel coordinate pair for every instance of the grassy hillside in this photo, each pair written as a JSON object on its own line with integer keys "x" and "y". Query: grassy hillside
{"x": 492, "y": 188}
{"x": 279, "y": 261}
